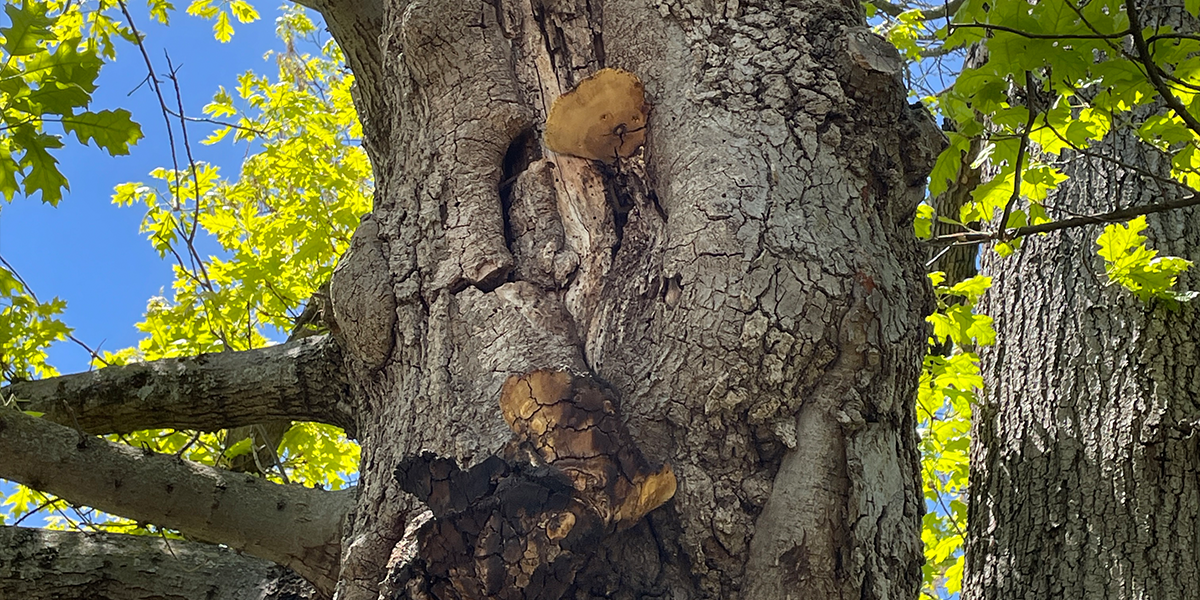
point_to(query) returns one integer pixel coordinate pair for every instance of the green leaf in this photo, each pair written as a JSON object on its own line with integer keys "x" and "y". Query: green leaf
{"x": 243, "y": 11}
{"x": 40, "y": 168}
{"x": 945, "y": 170}
{"x": 202, "y": 8}
{"x": 972, "y": 289}
{"x": 30, "y": 26}
{"x": 112, "y": 130}
{"x": 69, "y": 65}
{"x": 923, "y": 222}
{"x": 222, "y": 29}
{"x": 55, "y": 98}
{"x": 8, "y": 175}
{"x": 1130, "y": 263}
{"x": 160, "y": 10}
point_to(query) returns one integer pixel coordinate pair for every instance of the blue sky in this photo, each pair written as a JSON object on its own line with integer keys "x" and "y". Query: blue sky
{"x": 88, "y": 251}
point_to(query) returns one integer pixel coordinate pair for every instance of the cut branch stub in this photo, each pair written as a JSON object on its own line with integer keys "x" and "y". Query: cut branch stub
{"x": 603, "y": 118}
{"x": 521, "y": 526}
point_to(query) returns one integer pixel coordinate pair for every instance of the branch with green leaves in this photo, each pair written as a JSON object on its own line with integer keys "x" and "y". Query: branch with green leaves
{"x": 290, "y": 525}
{"x": 280, "y": 225}
{"x": 50, "y": 58}
{"x": 1060, "y": 78}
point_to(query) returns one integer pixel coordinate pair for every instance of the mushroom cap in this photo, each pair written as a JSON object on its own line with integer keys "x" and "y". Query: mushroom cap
{"x": 602, "y": 118}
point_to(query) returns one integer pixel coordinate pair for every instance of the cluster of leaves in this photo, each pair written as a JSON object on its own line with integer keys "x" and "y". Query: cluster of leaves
{"x": 51, "y": 55}
{"x": 948, "y": 388}
{"x": 1060, "y": 75}
{"x": 278, "y": 228}
{"x": 27, "y": 328}
{"x": 220, "y": 13}
{"x": 1130, "y": 263}
{"x": 248, "y": 251}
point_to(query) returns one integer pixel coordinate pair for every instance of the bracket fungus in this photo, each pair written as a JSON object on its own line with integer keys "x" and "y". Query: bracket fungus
{"x": 520, "y": 525}
{"x": 602, "y": 118}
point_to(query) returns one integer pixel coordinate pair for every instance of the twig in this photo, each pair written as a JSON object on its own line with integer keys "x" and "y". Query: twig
{"x": 39, "y": 508}
{"x": 1152, "y": 70}
{"x": 1023, "y": 144}
{"x": 977, "y": 237}
{"x": 1044, "y": 36}
{"x": 152, "y": 79}
{"x": 195, "y": 436}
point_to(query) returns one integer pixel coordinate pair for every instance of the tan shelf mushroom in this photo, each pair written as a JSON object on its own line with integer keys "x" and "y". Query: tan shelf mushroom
{"x": 603, "y": 118}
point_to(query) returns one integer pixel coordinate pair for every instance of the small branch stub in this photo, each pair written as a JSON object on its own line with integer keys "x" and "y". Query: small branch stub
{"x": 521, "y": 525}
{"x": 603, "y": 118}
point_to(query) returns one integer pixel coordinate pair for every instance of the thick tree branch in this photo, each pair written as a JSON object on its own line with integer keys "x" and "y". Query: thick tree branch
{"x": 300, "y": 380}
{"x": 290, "y": 525}
{"x": 38, "y": 564}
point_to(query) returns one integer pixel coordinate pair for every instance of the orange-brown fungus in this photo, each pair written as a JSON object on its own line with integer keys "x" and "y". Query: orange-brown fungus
{"x": 572, "y": 424}
{"x": 520, "y": 525}
{"x": 602, "y": 118}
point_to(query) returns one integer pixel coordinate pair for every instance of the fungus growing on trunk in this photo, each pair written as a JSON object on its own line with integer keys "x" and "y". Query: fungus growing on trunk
{"x": 519, "y": 526}
{"x": 603, "y": 118}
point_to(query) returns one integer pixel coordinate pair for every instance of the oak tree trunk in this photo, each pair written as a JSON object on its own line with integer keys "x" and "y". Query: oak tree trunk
{"x": 1084, "y": 462}
{"x": 742, "y": 301}
{"x": 747, "y": 286}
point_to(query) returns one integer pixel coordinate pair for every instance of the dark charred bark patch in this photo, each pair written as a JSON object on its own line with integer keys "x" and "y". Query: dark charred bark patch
{"x": 521, "y": 526}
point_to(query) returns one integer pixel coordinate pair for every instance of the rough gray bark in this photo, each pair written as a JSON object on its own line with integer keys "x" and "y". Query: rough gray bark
{"x": 301, "y": 380}
{"x": 748, "y": 287}
{"x": 1084, "y": 465}
{"x": 38, "y": 564}
{"x": 744, "y": 295}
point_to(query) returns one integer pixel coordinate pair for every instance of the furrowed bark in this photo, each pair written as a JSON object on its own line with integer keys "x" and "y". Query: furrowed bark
{"x": 39, "y": 564}
{"x": 748, "y": 286}
{"x": 290, "y": 525}
{"x": 746, "y": 291}
{"x": 300, "y": 380}
{"x": 1085, "y": 475}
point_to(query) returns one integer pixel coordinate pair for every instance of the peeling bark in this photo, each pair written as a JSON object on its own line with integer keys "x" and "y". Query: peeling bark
{"x": 300, "y": 380}
{"x": 522, "y": 525}
{"x": 38, "y": 564}
{"x": 290, "y": 525}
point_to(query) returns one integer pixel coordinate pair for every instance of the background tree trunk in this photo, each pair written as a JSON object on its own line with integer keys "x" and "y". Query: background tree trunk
{"x": 1084, "y": 461}
{"x": 748, "y": 288}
